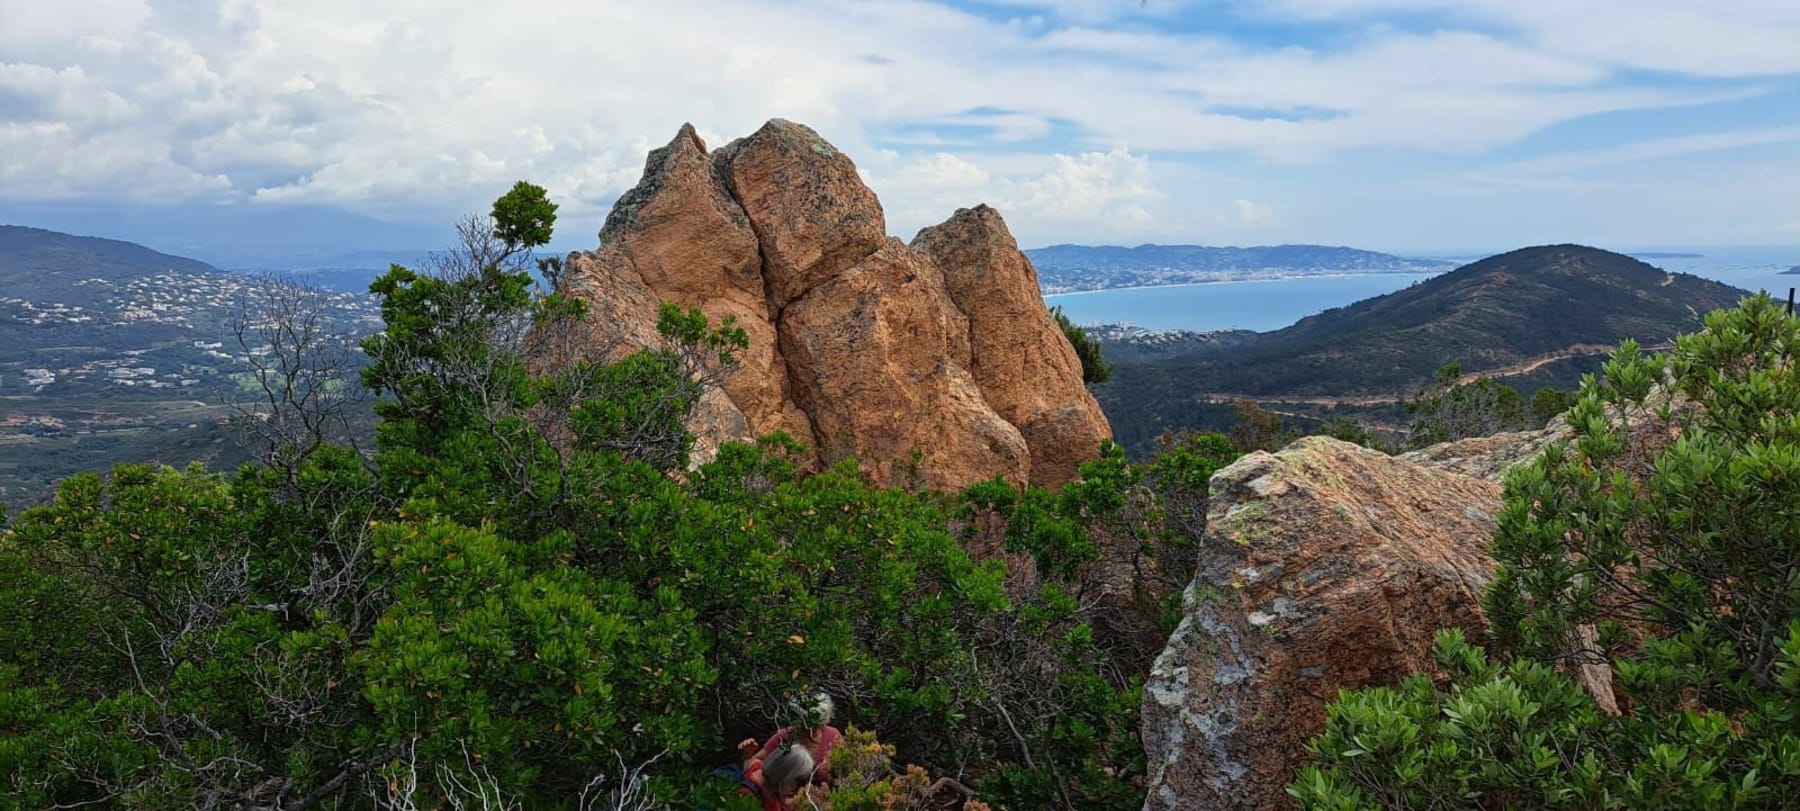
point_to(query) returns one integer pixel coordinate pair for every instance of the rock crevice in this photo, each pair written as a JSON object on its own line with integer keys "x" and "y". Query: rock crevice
{"x": 933, "y": 363}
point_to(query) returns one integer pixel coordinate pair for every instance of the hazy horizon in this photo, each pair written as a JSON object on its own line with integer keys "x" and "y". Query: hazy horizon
{"x": 234, "y": 249}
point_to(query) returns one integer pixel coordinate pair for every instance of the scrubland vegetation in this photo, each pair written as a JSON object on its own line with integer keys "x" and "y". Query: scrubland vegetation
{"x": 525, "y": 596}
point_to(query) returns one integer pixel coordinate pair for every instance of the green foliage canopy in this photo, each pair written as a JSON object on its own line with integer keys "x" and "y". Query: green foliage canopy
{"x": 1449, "y": 409}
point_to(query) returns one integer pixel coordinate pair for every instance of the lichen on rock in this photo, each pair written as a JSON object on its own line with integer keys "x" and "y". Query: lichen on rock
{"x": 1324, "y": 566}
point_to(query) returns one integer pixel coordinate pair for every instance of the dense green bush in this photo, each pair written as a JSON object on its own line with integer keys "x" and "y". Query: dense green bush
{"x": 1661, "y": 541}
{"x": 1523, "y": 735}
{"x": 1094, "y": 368}
{"x": 1548, "y": 403}
{"x": 526, "y": 592}
{"x": 1258, "y": 429}
{"x": 1447, "y": 409}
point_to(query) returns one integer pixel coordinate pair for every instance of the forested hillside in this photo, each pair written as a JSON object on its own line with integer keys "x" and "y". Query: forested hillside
{"x": 35, "y": 262}
{"x": 1535, "y": 316}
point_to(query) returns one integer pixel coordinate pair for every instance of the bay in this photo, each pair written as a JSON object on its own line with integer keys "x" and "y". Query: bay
{"x": 1257, "y": 305}
{"x": 1276, "y": 303}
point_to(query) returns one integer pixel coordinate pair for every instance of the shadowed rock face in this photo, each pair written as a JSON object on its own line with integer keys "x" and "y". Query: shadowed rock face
{"x": 936, "y": 362}
{"x": 1325, "y": 566}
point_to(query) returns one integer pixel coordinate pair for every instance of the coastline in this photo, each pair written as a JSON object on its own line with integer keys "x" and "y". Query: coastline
{"x": 1299, "y": 277}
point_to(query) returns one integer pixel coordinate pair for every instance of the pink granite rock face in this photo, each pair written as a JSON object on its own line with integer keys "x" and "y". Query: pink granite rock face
{"x": 935, "y": 363}
{"x": 1325, "y": 566}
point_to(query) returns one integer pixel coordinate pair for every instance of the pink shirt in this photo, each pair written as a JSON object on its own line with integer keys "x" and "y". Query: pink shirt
{"x": 821, "y": 751}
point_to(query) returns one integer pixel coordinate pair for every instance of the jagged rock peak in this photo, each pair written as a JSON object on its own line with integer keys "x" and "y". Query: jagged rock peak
{"x": 684, "y": 150}
{"x": 1018, "y": 355}
{"x": 810, "y": 209}
{"x": 940, "y": 352}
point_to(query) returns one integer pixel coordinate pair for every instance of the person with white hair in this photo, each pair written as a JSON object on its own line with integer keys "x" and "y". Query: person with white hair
{"x": 811, "y": 731}
{"x": 777, "y": 778}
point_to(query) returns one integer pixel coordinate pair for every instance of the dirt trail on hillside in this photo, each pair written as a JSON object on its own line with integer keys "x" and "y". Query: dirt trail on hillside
{"x": 1514, "y": 370}
{"x": 1360, "y": 400}
{"x": 1533, "y": 365}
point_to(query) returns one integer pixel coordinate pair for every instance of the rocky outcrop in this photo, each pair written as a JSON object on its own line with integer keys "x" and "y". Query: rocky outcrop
{"x": 1018, "y": 356}
{"x": 677, "y": 237}
{"x": 1489, "y": 457}
{"x": 933, "y": 364}
{"x": 1324, "y": 566}
{"x": 814, "y": 216}
{"x": 883, "y": 336}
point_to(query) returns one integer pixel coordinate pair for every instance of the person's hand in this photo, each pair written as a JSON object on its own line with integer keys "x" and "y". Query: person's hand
{"x": 747, "y": 746}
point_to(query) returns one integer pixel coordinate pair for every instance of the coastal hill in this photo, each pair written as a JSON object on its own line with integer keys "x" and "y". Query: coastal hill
{"x": 1066, "y": 268}
{"x": 1540, "y": 315}
{"x": 113, "y": 352}
{"x": 71, "y": 304}
{"x": 43, "y": 265}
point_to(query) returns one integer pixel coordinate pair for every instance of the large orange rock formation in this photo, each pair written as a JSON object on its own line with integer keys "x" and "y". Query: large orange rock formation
{"x": 936, "y": 360}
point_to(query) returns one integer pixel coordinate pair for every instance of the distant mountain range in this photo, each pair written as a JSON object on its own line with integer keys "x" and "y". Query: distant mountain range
{"x": 1535, "y": 316}
{"x": 1068, "y": 268}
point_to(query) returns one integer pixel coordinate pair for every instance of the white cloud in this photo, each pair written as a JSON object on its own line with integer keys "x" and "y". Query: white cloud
{"x": 1093, "y": 11}
{"x": 1251, "y": 213}
{"x": 1582, "y": 171}
{"x": 1651, "y": 150}
{"x": 42, "y": 30}
{"x": 1715, "y": 38}
{"x": 1107, "y": 188}
{"x": 1045, "y": 198}
{"x": 390, "y": 105}
{"x": 943, "y": 172}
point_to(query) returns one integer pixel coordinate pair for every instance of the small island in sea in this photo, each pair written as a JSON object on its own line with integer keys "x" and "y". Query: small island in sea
{"x": 1793, "y": 271}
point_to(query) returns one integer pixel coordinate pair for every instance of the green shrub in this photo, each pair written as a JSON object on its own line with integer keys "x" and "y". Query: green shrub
{"x": 1548, "y": 403}
{"x": 1660, "y": 540}
{"x": 1448, "y": 410}
{"x": 1094, "y": 368}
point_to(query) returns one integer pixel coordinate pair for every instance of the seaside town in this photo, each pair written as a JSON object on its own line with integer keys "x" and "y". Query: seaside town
{"x": 107, "y": 330}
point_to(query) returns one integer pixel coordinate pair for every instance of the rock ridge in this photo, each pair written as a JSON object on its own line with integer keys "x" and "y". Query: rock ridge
{"x": 934, "y": 363}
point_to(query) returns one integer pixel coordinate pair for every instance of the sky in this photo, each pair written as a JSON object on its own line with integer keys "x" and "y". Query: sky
{"x": 1403, "y": 125}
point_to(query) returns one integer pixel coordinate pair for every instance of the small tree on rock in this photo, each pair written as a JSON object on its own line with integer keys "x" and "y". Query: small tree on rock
{"x": 1094, "y": 368}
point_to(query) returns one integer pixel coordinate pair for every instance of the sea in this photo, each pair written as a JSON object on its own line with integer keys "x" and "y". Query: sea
{"x": 1276, "y": 303}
